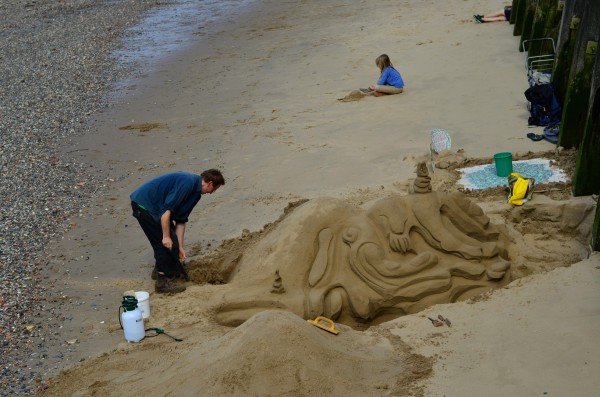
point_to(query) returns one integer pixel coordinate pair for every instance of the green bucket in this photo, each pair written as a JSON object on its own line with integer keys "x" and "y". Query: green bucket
{"x": 503, "y": 163}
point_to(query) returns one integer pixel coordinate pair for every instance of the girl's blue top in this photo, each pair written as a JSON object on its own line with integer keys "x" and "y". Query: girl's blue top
{"x": 391, "y": 76}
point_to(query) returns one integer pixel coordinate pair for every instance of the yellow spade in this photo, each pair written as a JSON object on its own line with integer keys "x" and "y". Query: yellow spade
{"x": 319, "y": 322}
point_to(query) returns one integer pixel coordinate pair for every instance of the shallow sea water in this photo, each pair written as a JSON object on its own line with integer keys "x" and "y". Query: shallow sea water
{"x": 170, "y": 28}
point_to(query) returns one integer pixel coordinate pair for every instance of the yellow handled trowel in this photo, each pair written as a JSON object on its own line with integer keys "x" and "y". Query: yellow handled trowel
{"x": 320, "y": 323}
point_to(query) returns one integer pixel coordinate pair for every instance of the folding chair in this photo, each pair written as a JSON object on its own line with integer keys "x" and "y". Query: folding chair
{"x": 539, "y": 67}
{"x": 440, "y": 140}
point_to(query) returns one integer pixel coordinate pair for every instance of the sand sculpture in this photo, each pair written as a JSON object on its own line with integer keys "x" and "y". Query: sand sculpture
{"x": 400, "y": 255}
{"x": 278, "y": 287}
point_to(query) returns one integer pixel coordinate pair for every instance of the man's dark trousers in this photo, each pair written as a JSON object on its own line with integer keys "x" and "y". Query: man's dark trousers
{"x": 165, "y": 259}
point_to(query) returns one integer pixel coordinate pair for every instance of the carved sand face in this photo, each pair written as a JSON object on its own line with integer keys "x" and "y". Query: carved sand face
{"x": 352, "y": 265}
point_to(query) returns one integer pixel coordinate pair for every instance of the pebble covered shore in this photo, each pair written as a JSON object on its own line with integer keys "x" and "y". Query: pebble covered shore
{"x": 56, "y": 70}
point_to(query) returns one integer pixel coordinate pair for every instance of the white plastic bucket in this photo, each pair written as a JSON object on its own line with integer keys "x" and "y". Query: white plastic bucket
{"x": 143, "y": 299}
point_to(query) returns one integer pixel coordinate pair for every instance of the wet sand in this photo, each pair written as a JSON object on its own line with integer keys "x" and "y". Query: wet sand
{"x": 257, "y": 96}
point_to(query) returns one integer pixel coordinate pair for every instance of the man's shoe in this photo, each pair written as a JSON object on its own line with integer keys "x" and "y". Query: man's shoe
{"x": 163, "y": 286}
{"x": 177, "y": 276}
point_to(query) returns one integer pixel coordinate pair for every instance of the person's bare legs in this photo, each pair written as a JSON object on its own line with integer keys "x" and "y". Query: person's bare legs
{"x": 493, "y": 19}
{"x": 496, "y": 14}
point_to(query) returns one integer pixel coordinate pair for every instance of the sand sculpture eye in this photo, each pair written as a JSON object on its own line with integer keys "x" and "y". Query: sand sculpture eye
{"x": 350, "y": 235}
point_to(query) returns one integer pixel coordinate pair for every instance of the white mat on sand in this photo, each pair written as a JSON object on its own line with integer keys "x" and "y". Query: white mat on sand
{"x": 484, "y": 176}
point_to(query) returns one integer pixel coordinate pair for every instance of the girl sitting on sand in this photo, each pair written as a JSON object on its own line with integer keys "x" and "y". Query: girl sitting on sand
{"x": 390, "y": 82}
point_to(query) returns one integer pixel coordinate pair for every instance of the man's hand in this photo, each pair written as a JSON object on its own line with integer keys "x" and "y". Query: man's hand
{"x": 168, "y": 243}
{"x": 182, "y": 255}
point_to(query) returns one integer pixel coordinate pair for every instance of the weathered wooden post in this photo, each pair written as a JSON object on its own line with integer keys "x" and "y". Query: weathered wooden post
{"x": 546, "y": 23}
{"x": 577, "y": 97}
{"x": 513, "y": 14}
{"x": 527, "y": 22}
{"x": 552, "y": 20}
{"x": 517, "y": 16}
{"x": 565, "y": 46}
{"x": 586, "y": 179}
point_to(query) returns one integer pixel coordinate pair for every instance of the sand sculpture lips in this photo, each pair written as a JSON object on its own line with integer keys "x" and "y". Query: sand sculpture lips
{"x": 402, "y": 254}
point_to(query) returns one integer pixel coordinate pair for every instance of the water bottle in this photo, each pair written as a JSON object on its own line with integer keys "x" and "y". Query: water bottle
{"x": 132, "y": 320}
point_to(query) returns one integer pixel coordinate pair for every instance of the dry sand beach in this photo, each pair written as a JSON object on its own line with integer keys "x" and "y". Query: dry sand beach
{"x": 257, "y": 95}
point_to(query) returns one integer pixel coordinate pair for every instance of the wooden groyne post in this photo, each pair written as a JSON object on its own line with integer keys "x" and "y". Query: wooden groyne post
{"x": 565, "y": 45}
{"x": 576, "y": 102}
{"x": 546, "y": 23}
{"x": 586, "y": 180}
{"x": 575, "y": 26}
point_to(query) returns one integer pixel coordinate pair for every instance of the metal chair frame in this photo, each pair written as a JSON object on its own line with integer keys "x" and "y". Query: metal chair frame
{"x": 538, "y": 63}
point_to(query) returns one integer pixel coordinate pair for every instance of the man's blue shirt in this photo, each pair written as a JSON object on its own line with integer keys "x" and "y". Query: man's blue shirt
{"x": 177, "y": 192}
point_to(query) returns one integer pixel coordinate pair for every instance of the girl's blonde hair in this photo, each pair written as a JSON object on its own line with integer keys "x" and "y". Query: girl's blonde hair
{"x": 383, "y": 61}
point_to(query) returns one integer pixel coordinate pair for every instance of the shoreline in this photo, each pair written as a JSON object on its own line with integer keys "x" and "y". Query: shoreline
{"x": 57, "y": 73}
